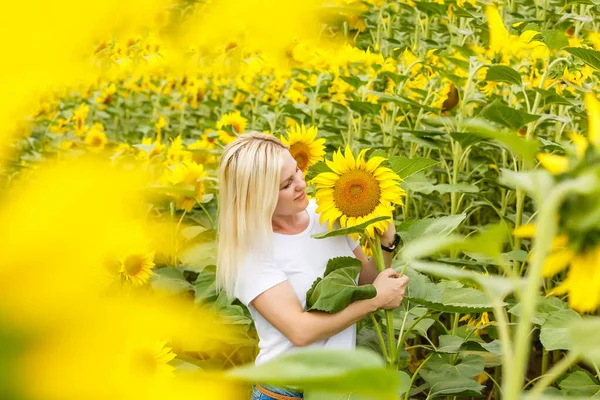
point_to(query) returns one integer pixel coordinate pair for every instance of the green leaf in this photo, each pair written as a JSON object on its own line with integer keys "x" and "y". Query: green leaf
{"x": 555, "y": 39}
{"x": 353, "y": 81}
{"x": 579, "y": 383}
{"x": 205, "y": 286}
{"x": 468, "y": 367}
{"x": 443, "y": 226}
{"x": 357, "y": 371}
{"x": 502, "y": 73}
{"x": 351, "y": 230}
{"x": 450, "y": 344}
{"x": 406, "y": 167}
{"x": 199, "y": 255}
{"x": 493, "y": 285}
{"x": 507, "y": 116}
{"x": 544, "y": 307}
{"x": 169, "y": 280}
{"x": 583, "y": 343}
{"x": 364, "y": 108}
{"x": 590, "y": 57}
{"x": 458, "y": 300}
{"x": 536, "y": 183}
{"x": 338, "y": 288}
{"x": 554, "y": 331}
{"x": 518, "y": 145}
{"x": 447, "y": 379}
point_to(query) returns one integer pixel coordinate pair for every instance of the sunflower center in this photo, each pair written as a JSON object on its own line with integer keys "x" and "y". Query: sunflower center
{"x": 133, "y": 264}
{"x": 145, "y": 362}
{"x": 300, "y": 153}
{"x": 356, "y": 193}
{"x": 96, "y": 141}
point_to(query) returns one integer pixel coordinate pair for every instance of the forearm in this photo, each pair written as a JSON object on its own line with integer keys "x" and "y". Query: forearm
{"x": 314, "y": 325}
{"x": 369, "y": 271}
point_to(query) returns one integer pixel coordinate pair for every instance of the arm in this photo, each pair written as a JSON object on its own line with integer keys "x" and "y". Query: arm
{"x": 281, "y": 307}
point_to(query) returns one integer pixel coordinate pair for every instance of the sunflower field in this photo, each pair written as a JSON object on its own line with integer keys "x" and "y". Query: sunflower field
{"x": 473, "y": 125}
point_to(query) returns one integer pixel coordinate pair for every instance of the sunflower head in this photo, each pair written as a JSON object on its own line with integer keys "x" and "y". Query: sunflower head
{"x": 233, "y": 120}
{"x": 304, "y": 146}
{"x": 137, "y": 267}
{"x": 357, "y": 190}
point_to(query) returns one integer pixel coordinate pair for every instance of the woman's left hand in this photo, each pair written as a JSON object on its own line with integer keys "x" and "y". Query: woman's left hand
{"x": 387, "y": 237}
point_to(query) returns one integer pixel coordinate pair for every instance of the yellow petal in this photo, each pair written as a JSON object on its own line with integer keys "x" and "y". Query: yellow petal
{"x": 553, "y": 163}
{"x": 593, "y": 111}
{"x": 581, "y": 143}
{"x": 498, "y": 33}
{"x": 524, "y": 231}
{"x": 556, "y": 262}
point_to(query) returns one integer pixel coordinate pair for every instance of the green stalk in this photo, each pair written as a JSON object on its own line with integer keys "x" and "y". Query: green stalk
{"x": 380, "y": 336}
{"x": 546, "y": 229}
{"x": 391, "y": 336}
{"x": 414, "y": 377}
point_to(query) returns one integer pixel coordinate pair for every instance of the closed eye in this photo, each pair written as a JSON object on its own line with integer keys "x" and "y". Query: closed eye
{"x": 290, "y": 180}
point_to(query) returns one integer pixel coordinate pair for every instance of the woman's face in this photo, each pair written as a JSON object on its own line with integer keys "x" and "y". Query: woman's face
{"x": 292, "y": 197}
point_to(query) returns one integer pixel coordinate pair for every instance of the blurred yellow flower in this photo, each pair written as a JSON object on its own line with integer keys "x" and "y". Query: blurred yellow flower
{"x": 95, "y": 138}
{"x": 304, "y": 146}
{"x": 235, "y": 121}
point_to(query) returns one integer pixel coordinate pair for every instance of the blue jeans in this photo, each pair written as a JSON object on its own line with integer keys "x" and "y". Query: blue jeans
{"x": 257, "y": 395}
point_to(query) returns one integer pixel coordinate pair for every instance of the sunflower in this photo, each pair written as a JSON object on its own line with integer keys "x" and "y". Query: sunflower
{"x": 356, "y": 191}
{"x": 151, "y": 360}
{"x": 235, "y": 121}
{"x": 186, "y": 175}
{"x": 306, "y": 149}
{"x": 96, "y": 138}
{"x": 582, "y": 283}
{"x": 137, "y": 267}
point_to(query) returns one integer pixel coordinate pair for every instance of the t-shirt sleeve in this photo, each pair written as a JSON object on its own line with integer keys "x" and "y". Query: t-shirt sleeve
{"x": 256, "y": 277}
{"x": 352, "y": 243}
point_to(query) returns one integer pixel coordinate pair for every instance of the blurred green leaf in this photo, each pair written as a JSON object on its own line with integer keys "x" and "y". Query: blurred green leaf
{"x": 503, "y": 73}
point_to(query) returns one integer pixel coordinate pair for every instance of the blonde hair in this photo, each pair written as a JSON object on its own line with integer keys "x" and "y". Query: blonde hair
{"x": 249, "y": 175}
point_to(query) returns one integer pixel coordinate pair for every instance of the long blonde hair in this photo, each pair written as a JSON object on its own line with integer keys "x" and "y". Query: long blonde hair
{"x": 249, "y": 174}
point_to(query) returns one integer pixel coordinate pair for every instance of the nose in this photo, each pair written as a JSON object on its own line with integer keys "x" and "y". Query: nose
{"x": 301, "y": 186}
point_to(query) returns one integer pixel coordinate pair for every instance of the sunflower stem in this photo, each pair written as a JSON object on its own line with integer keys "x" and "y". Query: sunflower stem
{"x": 391, "y": 336}
{"x": 546, "y": 229}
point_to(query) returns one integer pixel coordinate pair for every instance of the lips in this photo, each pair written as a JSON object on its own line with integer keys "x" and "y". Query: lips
{"x": 302, "y": 196}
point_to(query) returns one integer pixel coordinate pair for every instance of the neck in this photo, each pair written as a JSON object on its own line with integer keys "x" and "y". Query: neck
{"x": 287, "y": 223}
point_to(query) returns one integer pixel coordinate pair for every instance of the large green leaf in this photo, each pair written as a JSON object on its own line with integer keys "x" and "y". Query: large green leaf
{"x": 338, "y": 288}
{"x": 358, "y": 371}
{"x": 503, "y": 73}
{"x": 402, "y": 388}
{"x": 590, "y": 57}
{"x": 350, "y": 230}
{"x": 507, "y": 116}
{"x": 443, "y": 226}
{"x": 554, "y": 331}
{"x": 520, "y": 146}
{"x": 581, "y": 342}
{"x": 445, "y": 378}
{"x": 544, "y": 307}
{"x": 492, "y": 285}
{"x": 169, "y": 280}
{"x": 580, "y": 383}
{"x": 442, "y": 297}
{"x": 450, "y": 344}
{"x": 406, "y": 167}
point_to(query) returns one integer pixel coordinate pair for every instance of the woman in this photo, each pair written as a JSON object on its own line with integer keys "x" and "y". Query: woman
{"x": 268, "y": 260}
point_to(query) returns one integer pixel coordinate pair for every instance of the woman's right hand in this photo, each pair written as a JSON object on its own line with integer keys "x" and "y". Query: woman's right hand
{"x": 390, "y": 289}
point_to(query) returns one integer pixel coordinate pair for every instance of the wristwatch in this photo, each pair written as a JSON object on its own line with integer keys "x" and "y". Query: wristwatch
{"x": 391, "y": 248}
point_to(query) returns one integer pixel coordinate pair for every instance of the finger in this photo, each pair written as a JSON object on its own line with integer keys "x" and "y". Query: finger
{"x": 390, "y": 272}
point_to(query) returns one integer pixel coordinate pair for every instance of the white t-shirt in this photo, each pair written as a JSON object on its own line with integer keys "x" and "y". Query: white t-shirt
{"x": 299, "y": 259}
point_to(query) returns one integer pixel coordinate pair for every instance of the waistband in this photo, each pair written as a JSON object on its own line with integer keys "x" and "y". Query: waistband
{"x": 276, "y": 396}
